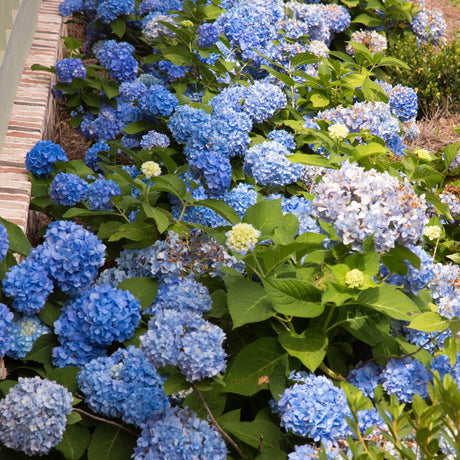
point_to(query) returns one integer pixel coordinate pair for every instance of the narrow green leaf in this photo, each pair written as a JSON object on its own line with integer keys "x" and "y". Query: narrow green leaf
{"x": 429, "y": 321}
{"x": 138, "y": 126}
{"x": 248, "y": 303}
{"x": 74, "y": 442}
{"x": 160, "y": 216}
{"x": 222, "y": 208}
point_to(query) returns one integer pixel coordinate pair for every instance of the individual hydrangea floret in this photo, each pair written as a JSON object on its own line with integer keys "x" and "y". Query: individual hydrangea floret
{"x": 366, "y": 378}
{"x": 404, "y": 378}
{"x": 370, "y": 38}
{"x": 23, "y": 334}
{"x": 180, "y": 435}
{"x": 268, "y": 164}
{"x": 71, "y": 254}
{"x": 360, "y": 203}
{"x": 151, "y": 169}
{"x": 123, "y": 385}
{"x": 109, "y": 10}
{"x": 68, "y": 189}
{"x": 41, "y": 158}
{"x": 102, "y": 315}
{"x": 6, "y": 319}
{"x": 154, "y": 139}
{"x": 242, "y": 238}
{"x": 314, "y": 408}
{"x": 91, "y": 156}
{"x": 69, "y": 69}
{"x": 4, "y": 242}
{"x": 29, "y": 285}
{"x": 184, "y": 339}
{"x": 100, "y": 194}
{"x": 33, "y": 415}
{"x": 208, "y": 35}
{"x": 181, "y": 293}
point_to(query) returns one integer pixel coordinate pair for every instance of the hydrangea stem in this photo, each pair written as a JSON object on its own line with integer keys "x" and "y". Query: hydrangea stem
{"x": 214, "y": 422}
{"x": 110, "y": 422}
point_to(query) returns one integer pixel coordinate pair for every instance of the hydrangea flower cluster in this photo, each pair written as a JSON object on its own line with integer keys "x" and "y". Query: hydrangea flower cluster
{"x": 109, "y": 10}
{"x": 451, "y": 197}
{"x": 154, "y": 139}
{"x": 91, "y": 156}
{"x": 208, "y": 35}
{"x": 68, "y": 189}
{"x": 41, "y": 158}
{"x": 376, "y": 42}
{"x": 415, "y": 279}
{"x": 179, "y": 434}
{"x": 6, "y": 319}
{"x": 366, "y": 377}
{"x": 4, "y": 242}
{"x": 117, "y": 58}
{"x": 33, "y": 415}
{"x": 100, "y": 194}
{"x": 314, "y": 408}
{"x": 29, "y": 285}
{"x": 157, "y": 101}
{"x": 181, "y": 293}
{"x": 429, "y": 25}
{"x": 242, "y": 238}
{"x": 23, "y": 334}
{"x": 69, "y": 69}
{"x": 153, "y": 29}
{"x": 402, "y": 100}
{"x": 360, "y": 203}
{"x": 123, "y": 385}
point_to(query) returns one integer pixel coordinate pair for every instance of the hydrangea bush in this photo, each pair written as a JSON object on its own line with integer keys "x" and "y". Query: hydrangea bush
{"x": 248, "y": 262}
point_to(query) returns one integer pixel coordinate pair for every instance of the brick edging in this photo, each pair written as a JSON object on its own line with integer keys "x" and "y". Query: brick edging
{"x": 32, "y": 115}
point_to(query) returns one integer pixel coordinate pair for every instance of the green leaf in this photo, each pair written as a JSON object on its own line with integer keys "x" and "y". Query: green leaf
{"x": 160, "y": 216}
{"x": 110, "y": 89}
{"x": 66, "y": 376}
{"x": 39, "y": 67}
{"x": 214, "y": 398}
{"x": 175, "y": 382}
{"x": 6, "y": 385}
{"x": 314, "y": 160}
{"x": 18, "y": 242}
{"x": 250, "y": 371}
{"x": 387, "y": 299}
{"x": 248, "y": 303}
{"x": 450, "y": 152}
{"x": 281, "y": 76}
{"x": 395, "y": 259}
{"x": 118, "y": 27}
{"x": 427, "y": 174}
{"x": 171, "y": 184}
{"x": 138, "y": 126}
{"x": 50, "y": 313}
{"x": 260, "y": 434}
{"x": 222, "y": 208}
{"x": 110, "y": 443}
{"x": 41, "y": 350}
{"x": 310, "y": 347}
{"x": 336, "y": 294}
{"x": 74, "y": 442}
{"x": 143, "y": 288}
{"x": 134, "y": 231}
{"x": 289, "y": 297}
{"x": 303, "y": 58}
{"x": 79, "y": 212}
{"x": 429, "y": 321}
{"x": 265, "y": 216}
{"x": 275, "y": 255}
{"x": 367, "y": 20}
{"x": 318, "y": 100}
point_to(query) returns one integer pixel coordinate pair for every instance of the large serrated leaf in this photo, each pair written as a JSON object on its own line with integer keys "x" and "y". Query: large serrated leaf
{"x": 221, "y": 208}
{"x": 294, "y": 297}
{"x": 265, "y": 216}
{"x": 110, "y": 443}
{"x": 74, "y": 442}
{"x": 429, "y": 321}
{"x": 250, "y": 371}
{"x": 387, "y": 299}
{"x": 143, "y": 288}
{"x": 248, "y": 303}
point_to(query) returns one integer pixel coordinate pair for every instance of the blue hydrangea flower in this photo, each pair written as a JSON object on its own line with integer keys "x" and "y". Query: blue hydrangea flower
{"x": 445, "y": 280}
{"x": 102, "y": 315}
{"x": 208, "y": 35}
{"x": 453, "y": 202}
{"x": 366, "y": 378}
{"x": 71, "y": 254}
{"x": 68, "y": 189}
{"x": 267, "y": 163}
{"x": 123, "y": 385}
{"x": 404, "y": 378}
{"x": 449, "y": 307}
{"x": 425, "y": 339}
{"x": 231, "y": 97}
{"x": 360, "y": 203}
{"x": 33, "y": 415}
{"x": 149, "y": 6}
{"x": 314, "y": 408}
{"x": 185, "y": 339}
{"x": 185, "y": 121}
{"x": 153, "y": 29}
{"x": 283, "y": 137}
{"x": 67, "y": 7}
{"x": 6, "y": 319}
{"x": 263, "y": 100}
{"x": 41, "y": 158}
{"x": 429, "y": 25}
{"x": 171, "y": 71}
{"x": 131, "y": 90}
{"x": 29, "y": 285}
{"x": 100, "y": 194}
{"x": 181, "y": 293}
{"x": 91, "y": 156}
{"x": 4, "y": 242}
{"x": 117, "y": 58}
{"x": 23, "y": 334}
{"x": 157, "y": 100}
{"x": 69, "y": 69}
{"x": 154, "y": 139}
{"x": 302, "y": 209}
{"x": 415, "y": 279}
{"x": 442, "y": 364}
{"x": 241, "y": 197}
{"x": 308, "y": 451}
{"x": 180, "y": 435}
{"x": 109, "y": 10}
